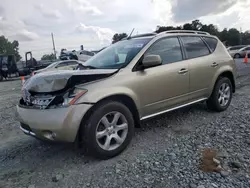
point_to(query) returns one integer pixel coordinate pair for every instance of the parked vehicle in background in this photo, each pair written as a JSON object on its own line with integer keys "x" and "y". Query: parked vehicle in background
{"x": 81, "y": 55}
{"x": 22, "y": 69}
{"x": 97, "y": 51}
{"x": 132, "y": 80}
{"x": 240, "y": 53}
{"x": 231, "y": 48}
{"x": 60, "y": 65}
{"x": 84, "y": 55}
{"x": 7, "y": 66}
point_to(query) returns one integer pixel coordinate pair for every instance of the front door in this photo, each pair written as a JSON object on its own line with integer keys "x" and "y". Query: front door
{"x": 166, "y": 86}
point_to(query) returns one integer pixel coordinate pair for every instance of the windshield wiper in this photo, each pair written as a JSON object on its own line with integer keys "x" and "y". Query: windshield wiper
{"x": 83, "y": 67}
{"x": 89, "y": 67}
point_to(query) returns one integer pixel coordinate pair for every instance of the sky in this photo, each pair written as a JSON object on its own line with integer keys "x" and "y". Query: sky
{"x": 92, "y": 23}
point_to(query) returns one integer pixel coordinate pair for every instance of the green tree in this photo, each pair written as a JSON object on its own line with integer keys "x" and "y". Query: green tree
{"x": 233, "y": 37}
{"x": 117, "y": 37}
{"x": 246, "y": 38}
{"x": 212, "y": 29}
{"x": 229, "y": 37}
{"x": 48, "y": 57}
{"x": 9, "y": 48}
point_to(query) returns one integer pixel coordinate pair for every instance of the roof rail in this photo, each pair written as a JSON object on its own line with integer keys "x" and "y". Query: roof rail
{"x": 186, "y": 31}
{"x": 140, "y": 35}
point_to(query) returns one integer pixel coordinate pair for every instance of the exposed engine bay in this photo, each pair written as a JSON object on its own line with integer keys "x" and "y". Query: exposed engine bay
{"x": 57, "y": 89}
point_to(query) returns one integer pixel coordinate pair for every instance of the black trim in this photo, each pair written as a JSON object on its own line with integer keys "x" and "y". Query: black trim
{"x": 26, "y": 127}
{"x": 89, "y": 103}
{"x": 183, "y": 51}
{"x": 206, "y": 45}
{"x": 203, "y": 38}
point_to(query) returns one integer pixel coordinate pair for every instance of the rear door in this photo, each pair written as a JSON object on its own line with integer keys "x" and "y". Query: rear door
{"x": 202, "y": 64}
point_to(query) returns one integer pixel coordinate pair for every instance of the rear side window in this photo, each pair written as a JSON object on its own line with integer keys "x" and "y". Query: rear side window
{"x": 212, "y": 43}
{"x": 195, "y": 47}
{"x": 63, "y": 64}
{"x": 168, "y": 48}
{"x": 72, "y": 63}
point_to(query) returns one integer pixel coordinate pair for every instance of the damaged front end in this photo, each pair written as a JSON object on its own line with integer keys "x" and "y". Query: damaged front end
{"x": 58, "y": 89}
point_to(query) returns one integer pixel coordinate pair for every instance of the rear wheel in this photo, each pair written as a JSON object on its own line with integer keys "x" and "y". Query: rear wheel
{"x": 236, "y": 56}
{"x": 108, "y": 130}
{"x": 221, "y": 96}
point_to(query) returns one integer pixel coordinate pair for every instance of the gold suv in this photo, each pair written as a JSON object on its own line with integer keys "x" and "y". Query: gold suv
{"x": 135, "y": 79}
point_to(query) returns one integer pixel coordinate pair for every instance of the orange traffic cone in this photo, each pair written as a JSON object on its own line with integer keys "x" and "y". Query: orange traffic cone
{"x": 22, "y": 79}
{"x": 246, "y": 59}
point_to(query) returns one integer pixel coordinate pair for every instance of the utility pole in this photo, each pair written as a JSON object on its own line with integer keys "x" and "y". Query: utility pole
{"x": 53, "y": 42}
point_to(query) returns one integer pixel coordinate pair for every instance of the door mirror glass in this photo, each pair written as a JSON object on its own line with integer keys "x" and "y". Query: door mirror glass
{"x": 151, "y": 61}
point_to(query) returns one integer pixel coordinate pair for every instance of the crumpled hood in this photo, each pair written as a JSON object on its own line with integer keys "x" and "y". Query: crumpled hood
{"x": 56, "y": 81}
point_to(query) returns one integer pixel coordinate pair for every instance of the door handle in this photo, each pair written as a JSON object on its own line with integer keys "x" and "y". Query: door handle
{"x": 183, "y": 71}
{"x": 214, "y": 64}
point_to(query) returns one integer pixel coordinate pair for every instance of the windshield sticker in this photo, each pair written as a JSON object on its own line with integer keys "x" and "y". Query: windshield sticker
{"x": 134, "y": 46}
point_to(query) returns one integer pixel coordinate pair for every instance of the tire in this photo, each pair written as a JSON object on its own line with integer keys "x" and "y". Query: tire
{"x": 94, "y": 124}
{"x": 1, "y": 77}
{"x": 215, "y": 102}
{"x": 236, "y": 56}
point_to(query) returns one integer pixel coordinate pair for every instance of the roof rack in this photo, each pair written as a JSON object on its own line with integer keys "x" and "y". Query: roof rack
{"x": 140, "y": 35}
{"x": 186, "y": 31}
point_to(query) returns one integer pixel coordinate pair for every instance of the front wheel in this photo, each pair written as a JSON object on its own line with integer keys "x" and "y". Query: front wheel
{"x": 221, "y": 96}
{"x": 109, "y": 130}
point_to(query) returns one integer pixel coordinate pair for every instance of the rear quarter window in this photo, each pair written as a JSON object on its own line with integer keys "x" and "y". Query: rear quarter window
{"x": 212, "y": 43}
{"x": 194, "y": 47}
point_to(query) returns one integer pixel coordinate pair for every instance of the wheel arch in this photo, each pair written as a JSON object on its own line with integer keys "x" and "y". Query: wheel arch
{"x": 124, "y": 99}
{"x": 229, "y": 75}
{"x": 236, "y": 55}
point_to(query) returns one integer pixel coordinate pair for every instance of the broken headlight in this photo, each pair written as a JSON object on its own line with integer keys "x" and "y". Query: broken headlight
{"x": 73, "y": 96}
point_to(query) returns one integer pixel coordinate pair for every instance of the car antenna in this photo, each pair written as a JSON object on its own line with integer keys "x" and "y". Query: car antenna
{"x": 129, "y": 37}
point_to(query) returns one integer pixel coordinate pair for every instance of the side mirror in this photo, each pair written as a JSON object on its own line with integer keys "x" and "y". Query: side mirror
{"x": 151, "y": 61}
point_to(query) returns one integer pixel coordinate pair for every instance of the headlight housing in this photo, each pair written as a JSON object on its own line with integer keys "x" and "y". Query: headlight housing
{"x": 72, "y": 97}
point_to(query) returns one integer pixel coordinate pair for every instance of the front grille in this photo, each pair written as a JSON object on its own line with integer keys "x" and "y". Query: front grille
{"x": 26, "y": 127}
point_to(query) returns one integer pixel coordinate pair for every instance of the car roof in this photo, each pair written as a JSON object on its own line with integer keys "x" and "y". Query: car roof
{"x": 170, "y": 33}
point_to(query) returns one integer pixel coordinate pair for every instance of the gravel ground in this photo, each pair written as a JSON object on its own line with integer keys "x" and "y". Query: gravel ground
{"x": 165, "y": 152}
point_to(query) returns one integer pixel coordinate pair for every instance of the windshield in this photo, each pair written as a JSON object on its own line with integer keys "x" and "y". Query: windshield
{"x": 118, "y": 55}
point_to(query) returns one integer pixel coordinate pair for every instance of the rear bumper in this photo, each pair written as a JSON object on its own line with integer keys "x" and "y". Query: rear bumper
{"x": 60, "y": 124}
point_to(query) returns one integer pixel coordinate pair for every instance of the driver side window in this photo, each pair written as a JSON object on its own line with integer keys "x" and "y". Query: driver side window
{"x": 168, "y": 49}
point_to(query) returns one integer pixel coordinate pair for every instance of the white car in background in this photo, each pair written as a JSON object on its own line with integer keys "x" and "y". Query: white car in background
{"x": 60, "y": 65}
{"x": 240, "y": 53}
{"x": 84, "y": 55}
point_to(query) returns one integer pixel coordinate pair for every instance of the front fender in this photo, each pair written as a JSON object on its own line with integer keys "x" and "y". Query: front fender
{"x": 102, "y": 93}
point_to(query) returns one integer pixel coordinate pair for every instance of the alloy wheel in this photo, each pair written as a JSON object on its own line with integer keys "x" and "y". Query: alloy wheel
{"x": 111, "y": 131}
{"x": 224, "y": 94}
